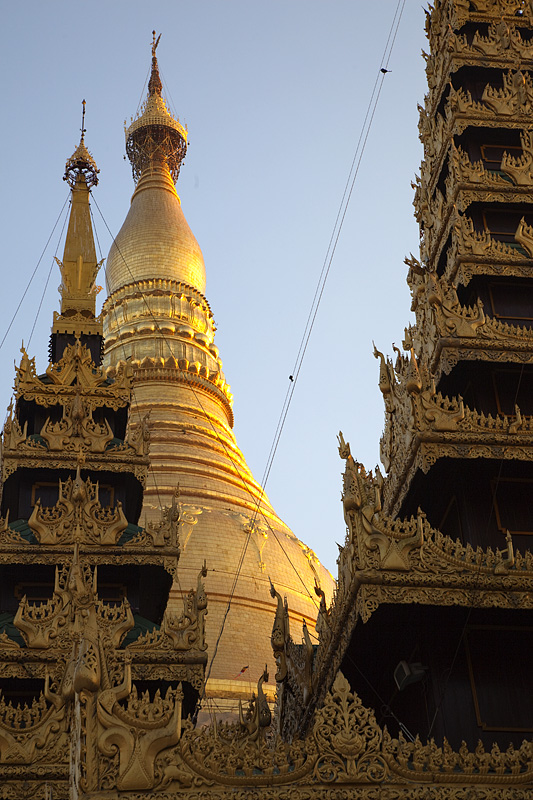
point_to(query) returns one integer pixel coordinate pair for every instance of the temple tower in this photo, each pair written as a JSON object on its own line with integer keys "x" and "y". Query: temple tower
{"x": 158, "y": 321}
{"x": 433, "y": 616}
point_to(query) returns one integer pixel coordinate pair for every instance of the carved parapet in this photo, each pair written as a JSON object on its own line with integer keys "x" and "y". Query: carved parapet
{"x": 428, "y": 426}
{"x": 481, "y": 243}
{"x": 382, "y": 542}
{"x": 135, "y": 744}
{"x": 480, "y": 254}
{"x": 446, "y": 330}
{"x": 453, "y": 14}
{"x": 466, "y": 183}
{"x": 165, "y": 532}
{"x": 33, "y": 454}
{"x": 437, "y": 132}
{"x": 31, "y": 735}
{"x": 501, "y": 47}
{"x": 65, "y": 615}
{"x": 75, "y": 437}
{"x": 509, "y": 105}
{"x": 74, "y": 372}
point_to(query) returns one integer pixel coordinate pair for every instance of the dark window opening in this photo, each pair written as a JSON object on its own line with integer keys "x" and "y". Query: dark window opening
{"x": 513, "y": 508}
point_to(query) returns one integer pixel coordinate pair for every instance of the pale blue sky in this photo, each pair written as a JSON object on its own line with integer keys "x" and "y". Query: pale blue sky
{"x": 274, "y": 95}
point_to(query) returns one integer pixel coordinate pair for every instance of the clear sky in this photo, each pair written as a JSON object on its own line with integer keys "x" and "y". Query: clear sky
{"x": 274, "y": 93}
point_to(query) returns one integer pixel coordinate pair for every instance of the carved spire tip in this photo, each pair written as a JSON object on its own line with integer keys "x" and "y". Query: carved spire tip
{"x": 155, "y": 85}
{"x": 81, "y": 162}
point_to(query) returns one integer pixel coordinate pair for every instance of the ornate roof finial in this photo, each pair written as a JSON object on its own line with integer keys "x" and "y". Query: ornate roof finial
{"x": 79, "y": 267}
{"x": 155, "y": 85}
{"x": 81, "y": 161}
{"x": 83, "y": 121}
{"x": 155, "y": 137}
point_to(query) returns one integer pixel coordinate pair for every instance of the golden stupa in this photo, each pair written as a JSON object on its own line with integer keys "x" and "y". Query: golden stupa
{"x": 157, "y": 319}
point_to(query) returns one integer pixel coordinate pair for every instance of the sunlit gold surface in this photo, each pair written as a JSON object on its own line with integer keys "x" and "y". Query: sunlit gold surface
{"x": 155, "y": 240}
{"x": 155, "y": 112}
{"x": 79, "y": 268}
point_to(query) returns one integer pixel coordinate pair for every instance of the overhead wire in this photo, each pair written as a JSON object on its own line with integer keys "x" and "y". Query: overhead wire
{"x": 334, "y": 239}
{"x": 47, "y": 281}
{"x": 228, "y": 454}
{"x": 25, "y": 292}
{"x": 195, "y": 394}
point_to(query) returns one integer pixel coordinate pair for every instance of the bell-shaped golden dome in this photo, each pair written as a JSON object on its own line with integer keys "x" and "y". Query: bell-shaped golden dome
{"x": 155, "y": 240}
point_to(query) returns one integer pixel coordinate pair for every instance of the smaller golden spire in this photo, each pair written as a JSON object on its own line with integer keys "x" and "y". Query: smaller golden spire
{"x": 79, "y": 266}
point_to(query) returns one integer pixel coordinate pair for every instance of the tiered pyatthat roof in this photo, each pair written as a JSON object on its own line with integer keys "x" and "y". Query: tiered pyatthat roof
{"x": 448, "y": 527}
{"x": 472, "y": 202}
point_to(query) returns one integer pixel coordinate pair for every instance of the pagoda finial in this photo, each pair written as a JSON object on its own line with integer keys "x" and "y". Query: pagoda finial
{"x": 155, "y": 42}
{"x": 155, "y": 137}
{"x": 155, "y": 85}
{"x": 81, "y": 162}
{"x": 83, "y": 121}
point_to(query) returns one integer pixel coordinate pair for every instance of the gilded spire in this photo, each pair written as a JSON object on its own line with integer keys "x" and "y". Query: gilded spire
{"x": 155, "y": 139}
{"x": 154, "y": 84}
{"x": 81, "y": 161}
{"x": 79, "y": 266}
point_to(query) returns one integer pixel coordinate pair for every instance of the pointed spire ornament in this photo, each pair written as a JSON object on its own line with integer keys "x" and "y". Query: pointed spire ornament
{"x": 155, "y": 85}
{"x": 79, "y": 266}
{"x": 155, "y": 138}
{"x": 81, "y": 161}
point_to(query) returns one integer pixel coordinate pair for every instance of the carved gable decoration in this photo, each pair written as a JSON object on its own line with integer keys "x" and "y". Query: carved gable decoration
{"x": 77, "y": 516}
{"x": 74, "y": 373}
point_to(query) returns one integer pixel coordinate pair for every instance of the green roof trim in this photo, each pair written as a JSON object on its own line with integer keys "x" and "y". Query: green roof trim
{"x": 21, "y": 526}
{"x": 7, "y": 626}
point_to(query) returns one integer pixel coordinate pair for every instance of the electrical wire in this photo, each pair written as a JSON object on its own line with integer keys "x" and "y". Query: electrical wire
{"x": 34, "y": 272}
{"x": 337, "y": 228}
{"x": 244, "y": 483}
{"x": 205, "y": 414}
{"x": 47, "y": 282}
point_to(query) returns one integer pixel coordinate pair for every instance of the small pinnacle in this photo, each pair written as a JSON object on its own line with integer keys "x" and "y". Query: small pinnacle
{"x": 83, "y": 120}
